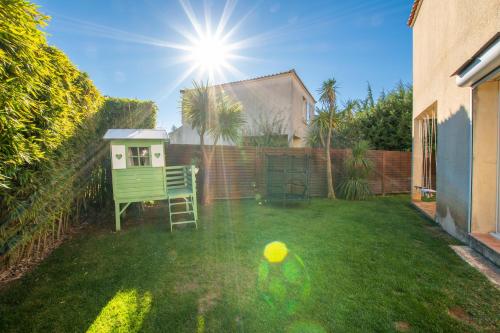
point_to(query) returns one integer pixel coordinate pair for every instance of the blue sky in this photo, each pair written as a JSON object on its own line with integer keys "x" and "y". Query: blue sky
{"x": 128, "y": 47}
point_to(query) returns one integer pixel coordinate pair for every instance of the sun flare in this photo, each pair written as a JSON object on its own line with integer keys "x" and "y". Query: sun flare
{"x": 212, "y": 50}
{"x": 209, "y": 53}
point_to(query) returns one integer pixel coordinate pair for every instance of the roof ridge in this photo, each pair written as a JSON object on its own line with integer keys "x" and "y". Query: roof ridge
{"x": 250, "y": 79}
{"x": 290, "y": 71}
{"x": 257, "y": 77}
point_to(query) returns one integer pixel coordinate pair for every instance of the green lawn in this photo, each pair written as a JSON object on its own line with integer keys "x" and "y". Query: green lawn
{"x": 350, "y": 267}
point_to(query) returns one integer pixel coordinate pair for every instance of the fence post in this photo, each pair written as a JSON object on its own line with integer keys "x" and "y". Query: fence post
{"x": 383, "y": 172}
{"x": 258, "y": 170}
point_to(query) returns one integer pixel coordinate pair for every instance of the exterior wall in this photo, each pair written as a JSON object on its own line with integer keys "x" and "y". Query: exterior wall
{"x": 264, "y": 99}
{"x": 484, "y": 185}
{"x": 186, "y": 135}
{"x": 281, "y": 97}
{"x": 300, "y": 100}
{"x": 445, "y": 35}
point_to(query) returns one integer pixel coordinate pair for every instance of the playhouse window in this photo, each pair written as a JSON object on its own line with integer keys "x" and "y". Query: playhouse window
{"x": 138, "y": 156}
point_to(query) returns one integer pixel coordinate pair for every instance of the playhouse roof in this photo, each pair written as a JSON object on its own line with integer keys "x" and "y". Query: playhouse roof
{"x": 134, "y": 133}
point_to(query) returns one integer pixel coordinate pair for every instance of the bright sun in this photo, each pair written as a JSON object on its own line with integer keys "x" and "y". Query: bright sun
{"x": 209, "y": 54}
{"x": 211, "y": 49}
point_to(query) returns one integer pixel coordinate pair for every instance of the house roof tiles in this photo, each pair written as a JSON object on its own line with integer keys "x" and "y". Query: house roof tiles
{"x": 414, "y": 12}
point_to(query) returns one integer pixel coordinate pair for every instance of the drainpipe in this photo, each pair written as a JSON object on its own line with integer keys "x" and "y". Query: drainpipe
{"x": 471, "y": 156}
{"x": 497, "y": 217}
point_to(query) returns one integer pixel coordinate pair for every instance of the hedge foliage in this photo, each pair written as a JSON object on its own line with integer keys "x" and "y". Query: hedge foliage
{"x": 385, "y": 122}
{"x": 54, "y": 164}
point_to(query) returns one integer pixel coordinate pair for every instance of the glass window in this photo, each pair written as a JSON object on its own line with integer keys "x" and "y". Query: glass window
{"x": 308, "y": 113}
{"x": 139, "y": 156}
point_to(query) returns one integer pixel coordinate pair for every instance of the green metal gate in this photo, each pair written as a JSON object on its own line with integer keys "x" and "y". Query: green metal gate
{"x": 287, "y": 177}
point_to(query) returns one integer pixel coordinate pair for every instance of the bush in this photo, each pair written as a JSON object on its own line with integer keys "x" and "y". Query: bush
{"x": 54, "y": 165}
{"x": 358, "y": 167}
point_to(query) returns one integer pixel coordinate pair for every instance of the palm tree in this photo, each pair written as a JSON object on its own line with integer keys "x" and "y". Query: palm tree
{"x": 227, "y": 124}
{"x": 198, "y": 108}
{"x": 351, "y": 106}
{"x": 216, "y": 115}
{"x": 328, "y": 97}
{"x": 228, "y": 120}
{"x": 316, "y": 135}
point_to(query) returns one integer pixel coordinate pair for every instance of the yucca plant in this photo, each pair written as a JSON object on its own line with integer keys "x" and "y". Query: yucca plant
{"x": 328, "y": 98}
{"x": 357, "y": 170}
{"x": 213, "y": 113}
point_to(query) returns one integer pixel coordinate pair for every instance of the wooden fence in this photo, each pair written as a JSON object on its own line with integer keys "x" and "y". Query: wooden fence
{"x": 238, "y": 172}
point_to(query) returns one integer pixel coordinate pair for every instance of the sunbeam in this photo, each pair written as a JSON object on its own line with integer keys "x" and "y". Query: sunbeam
{"x": 211, "y": 52}
{"x": 208, "y": 51}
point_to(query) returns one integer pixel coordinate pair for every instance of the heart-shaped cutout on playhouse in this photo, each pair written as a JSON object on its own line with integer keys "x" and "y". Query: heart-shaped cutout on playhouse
{"x": 157, "y": 155}
{"x": 119, "y": 156}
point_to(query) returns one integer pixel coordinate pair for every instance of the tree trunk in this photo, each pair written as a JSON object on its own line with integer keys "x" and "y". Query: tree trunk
{"x": 208, "y": 158}
{"x": 206, "y": 175}
{"x": 205, "y": 199}
{"x": 329, "y": 176}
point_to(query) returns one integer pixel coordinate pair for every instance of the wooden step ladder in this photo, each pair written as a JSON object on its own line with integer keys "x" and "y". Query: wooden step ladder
{"x": 181, "y": 194}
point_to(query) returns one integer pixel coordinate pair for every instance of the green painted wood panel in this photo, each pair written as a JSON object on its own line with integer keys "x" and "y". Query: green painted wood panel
{"x": 138, "y": 184}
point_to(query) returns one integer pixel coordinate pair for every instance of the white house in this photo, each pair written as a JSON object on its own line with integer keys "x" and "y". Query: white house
{"x": 280, "y": 97}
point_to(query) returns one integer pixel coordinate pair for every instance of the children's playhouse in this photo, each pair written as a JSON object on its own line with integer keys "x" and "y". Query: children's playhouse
{"x": 139, "y": 174}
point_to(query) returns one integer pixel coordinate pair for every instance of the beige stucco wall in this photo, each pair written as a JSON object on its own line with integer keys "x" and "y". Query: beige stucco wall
{"x": 298, "y": 115}
{"x": 279, "y": 96}
{"x": 446, "y": 34}
{"x": 485, "y": 132}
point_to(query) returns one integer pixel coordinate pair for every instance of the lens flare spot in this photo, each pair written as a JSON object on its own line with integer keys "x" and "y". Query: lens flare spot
{"x": 284, "y": 286}
{"x": 275, "y": 252}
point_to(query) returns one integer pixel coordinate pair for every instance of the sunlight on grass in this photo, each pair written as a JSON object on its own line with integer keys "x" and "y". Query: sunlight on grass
{"x": 201, "y": 324}
{"x": 124, "y": 313}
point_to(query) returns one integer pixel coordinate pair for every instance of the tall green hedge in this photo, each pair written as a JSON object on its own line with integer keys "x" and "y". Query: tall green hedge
{"x": 128, "y": 113}
{"x": 54, "y": 164}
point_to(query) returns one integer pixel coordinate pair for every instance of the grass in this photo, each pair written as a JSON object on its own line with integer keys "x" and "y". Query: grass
{"x": 351, "y": 267}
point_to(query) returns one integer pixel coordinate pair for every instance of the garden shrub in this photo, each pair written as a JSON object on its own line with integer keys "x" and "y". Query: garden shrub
{"x": 354, "y": 185}
{"x": 54, "y": 165}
